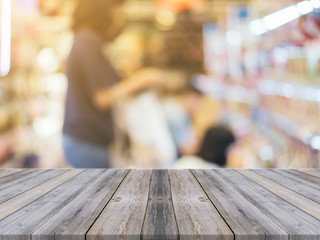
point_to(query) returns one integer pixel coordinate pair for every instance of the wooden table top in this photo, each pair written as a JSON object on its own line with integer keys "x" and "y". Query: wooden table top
{"x": 159, "y": 204}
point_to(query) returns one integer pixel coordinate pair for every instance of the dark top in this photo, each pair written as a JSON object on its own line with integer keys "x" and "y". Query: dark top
{"x": 87, "y": 71}
{"x": 215, "y": 143}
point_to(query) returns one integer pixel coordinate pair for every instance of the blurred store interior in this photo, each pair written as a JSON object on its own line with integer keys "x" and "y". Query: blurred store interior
{"x": 254, "y": 63}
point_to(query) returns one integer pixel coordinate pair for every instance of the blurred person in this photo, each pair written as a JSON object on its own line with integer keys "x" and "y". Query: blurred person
{"x": 178, "y": 109}
{"x": 213, "y": 151}
{"x": 152, "y": 145}
{"x": 94, "y": 85}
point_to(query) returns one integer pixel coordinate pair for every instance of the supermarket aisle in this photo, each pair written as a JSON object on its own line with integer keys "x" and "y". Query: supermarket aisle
{"x": 257, "y": 73}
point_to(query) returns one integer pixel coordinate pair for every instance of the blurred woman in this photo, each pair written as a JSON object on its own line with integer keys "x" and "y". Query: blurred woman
{"x": 94, "y": 84}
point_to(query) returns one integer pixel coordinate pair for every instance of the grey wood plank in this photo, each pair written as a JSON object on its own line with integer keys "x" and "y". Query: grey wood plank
{"x": 17, "y": 177}
{"x": 289, "y": 179}
{"x": 254, "y": 205}
{"x": 297, "y": 223}
{"x": 18, "y": 202}
{"x": 9, "y": 171}
{"x": 196, "y": 217}
{"x": 301, "y": 175}
{"x": 22, "y": 184}
{"x": 123, "y": 216}
{"x": 309, "y": 206}
{"x": 314, "y": 172}
{"x": 77, "y": 216}
{"x": 160, "y": 221}
{"x": 246, "y": 221}
{"x": 25, "y": 221}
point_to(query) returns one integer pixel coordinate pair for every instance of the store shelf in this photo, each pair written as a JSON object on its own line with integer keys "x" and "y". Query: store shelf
{"x": 278, "y": 130}
{"x": 217, "y": 89}
{"x": 288, "y": 89}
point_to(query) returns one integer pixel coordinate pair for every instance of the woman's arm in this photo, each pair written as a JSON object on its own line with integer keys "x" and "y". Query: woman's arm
{"x": 103, "y": 98}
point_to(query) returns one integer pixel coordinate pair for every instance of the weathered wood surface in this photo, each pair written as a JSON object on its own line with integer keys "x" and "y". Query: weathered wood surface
{"x": 196, "y": 216}
{"x": 123, "y": 216}
{"x": 244, "y": 217}
{"x": 297, "y": 223}
{"x": 295, "y": 199}
{"x": 159, "y": 217}
{"x": 159, "y": 204}
{"x": 7, "y": 172}
{"x": 312, "y": 172}
{"x": 79, "y": 213}
{"x": 24, "y": 181}
{"x": 295, "y": 181}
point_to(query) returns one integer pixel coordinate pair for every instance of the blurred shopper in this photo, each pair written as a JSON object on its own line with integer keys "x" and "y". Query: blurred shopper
{"x": 178, "y": 109}
{"x": 94, "y": 84}
{"x": 152, "y": 145}
{"x": 213, "y": 151}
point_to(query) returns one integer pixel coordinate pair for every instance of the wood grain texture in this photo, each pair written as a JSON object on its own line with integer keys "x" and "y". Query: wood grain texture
{"x": 307, "y": 179}
{"x": 243, "y": 217}
{"x": 196, "y": 217}
{"x": 20, "y": 184}
{"x": 309, "y": 206}
{"x": 294, "y": 181}
{"x": 96, "y": 204}
{"x": 124, "y": 215}
{"x": 9, "y": 171}
{"x": 297, "y": 223}
{"x": 76, "y": 216}
{"x": 26, "y": 220}
{"x": 160, "y": 223}
{"x": 14, "y": 204}
{"x": 313, "y": 173}
{"x": 19, "y": 176}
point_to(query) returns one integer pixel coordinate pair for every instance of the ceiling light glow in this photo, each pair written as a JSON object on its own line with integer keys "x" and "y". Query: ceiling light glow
{"x": 281, "y": 17}
{"x": 315, "y": 3}
{"x": 5, "y": 44}
{"x": 304, "y": 7}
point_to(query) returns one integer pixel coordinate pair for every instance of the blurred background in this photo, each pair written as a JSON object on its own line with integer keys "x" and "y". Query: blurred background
{"x": 254, "y": 63}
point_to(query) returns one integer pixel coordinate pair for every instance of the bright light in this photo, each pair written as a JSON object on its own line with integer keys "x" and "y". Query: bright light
{"x": 46, "y": 126}
{"x": 234, "y": 38}
{"x": 166, "y": 18}
{"x": 281, "y": 17}
{"x": 47, "y": 60}
{"x": 5, "y": 47}
{"x": 315, "y": 142}
{"x": 287, "y": 90}
{"x": 256, "y": 27}
{"x": 318, "y": 95}
{"x": 55, "y": 83}
{"x": 315, "y": 3}
{"x": 304, "y": 7}
{"x": 266, "y": 153}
